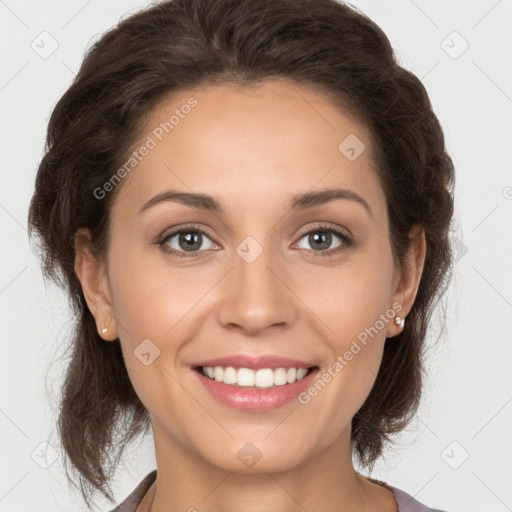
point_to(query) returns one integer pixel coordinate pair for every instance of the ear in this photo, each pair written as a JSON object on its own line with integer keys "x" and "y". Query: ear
{"x": 407, "y": 277}
{"x": 93, "y": 278}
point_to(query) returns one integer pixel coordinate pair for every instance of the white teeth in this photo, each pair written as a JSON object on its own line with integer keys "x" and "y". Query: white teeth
{"x": 280, "y": 377}
{"x": 301, "y": 373}
{"x": 218, "y": 372}
{"x": 263, "y": 378}
{"x": 245, "y": 377}
{"x": 229, "y": 376}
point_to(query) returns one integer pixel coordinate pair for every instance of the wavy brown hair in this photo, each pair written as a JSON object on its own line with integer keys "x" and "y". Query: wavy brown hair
{"x": 180, "y": 44}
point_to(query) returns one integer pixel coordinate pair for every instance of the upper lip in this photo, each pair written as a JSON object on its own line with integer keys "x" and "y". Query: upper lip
{"x": 255, "y": 362}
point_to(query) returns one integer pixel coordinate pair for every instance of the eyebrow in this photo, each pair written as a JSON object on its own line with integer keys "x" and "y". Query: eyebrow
{"x": 298, "y": 202}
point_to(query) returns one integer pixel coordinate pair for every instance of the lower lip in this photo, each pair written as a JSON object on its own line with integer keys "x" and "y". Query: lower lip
{"x": 255, "y": 399}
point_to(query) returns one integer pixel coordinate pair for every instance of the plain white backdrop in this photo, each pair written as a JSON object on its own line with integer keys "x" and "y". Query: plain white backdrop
{"x": 457, "y": 453}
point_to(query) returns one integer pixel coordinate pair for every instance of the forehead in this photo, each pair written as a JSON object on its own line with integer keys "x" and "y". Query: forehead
{"x": 247, "y": 143}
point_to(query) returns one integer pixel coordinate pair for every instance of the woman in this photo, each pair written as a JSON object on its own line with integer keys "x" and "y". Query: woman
{"x": 249, "y": 203}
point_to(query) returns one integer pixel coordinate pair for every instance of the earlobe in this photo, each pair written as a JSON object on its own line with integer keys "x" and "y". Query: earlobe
{"x": 411, "y": 271}
{"x": 91, "y": 274}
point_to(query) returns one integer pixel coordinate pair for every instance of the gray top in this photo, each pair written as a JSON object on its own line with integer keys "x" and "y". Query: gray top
{"x": 406, "y": 503}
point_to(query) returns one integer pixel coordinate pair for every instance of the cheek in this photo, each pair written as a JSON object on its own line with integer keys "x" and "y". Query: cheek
{"x": 351, "y": 298}
{"x": 356, "y": 318}
{"x": 354, "y": 305}
{"x": 150, "y": 308}
{"x": 149, "y": 300}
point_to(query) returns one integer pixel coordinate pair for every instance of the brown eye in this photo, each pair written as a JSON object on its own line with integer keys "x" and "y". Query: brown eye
{"x": 190, "y": 241}
{"x": 186, "y": 240}
{"x": 321, "y": 239}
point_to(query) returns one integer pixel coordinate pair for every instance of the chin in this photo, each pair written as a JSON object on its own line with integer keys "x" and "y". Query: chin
{"x": 253, "y": 457}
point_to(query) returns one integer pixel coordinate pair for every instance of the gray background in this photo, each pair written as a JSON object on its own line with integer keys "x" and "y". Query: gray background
{"x": 457, "y": 454}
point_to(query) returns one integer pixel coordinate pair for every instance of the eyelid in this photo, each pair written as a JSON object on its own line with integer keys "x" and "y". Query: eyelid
{"x": 326, "y": 226}
{"x": 174, "y": 230}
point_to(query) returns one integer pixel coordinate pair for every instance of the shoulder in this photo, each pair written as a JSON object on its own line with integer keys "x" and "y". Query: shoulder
{"x": 133, "y": 500}
{"x": 406, "y": 503}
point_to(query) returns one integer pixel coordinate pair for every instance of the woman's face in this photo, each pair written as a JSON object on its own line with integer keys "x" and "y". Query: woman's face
{"x": 268, "y": 277}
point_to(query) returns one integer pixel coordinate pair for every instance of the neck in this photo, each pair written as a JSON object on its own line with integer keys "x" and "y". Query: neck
{"x": 326, "y": 481}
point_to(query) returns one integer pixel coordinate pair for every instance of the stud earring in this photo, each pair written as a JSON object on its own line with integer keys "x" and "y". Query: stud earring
{"x": 104, "y": 330}
{"x": 400, "y": 321}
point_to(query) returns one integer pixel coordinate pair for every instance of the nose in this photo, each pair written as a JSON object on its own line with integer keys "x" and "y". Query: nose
{"x": 256, "y": 296}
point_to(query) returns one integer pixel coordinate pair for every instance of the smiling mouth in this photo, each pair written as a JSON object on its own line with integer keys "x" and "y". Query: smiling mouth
{"x": 248, "y": 378}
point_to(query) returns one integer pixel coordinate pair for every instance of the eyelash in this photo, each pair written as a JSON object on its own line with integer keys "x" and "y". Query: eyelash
{"x": 324, "y": 228}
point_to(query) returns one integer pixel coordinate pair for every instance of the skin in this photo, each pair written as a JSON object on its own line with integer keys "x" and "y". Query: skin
{"x": 253, "y": 149}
